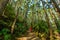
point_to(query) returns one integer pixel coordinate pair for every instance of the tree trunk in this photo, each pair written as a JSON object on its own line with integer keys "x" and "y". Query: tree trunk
{"x": 50, "y": 30}
{"x": 54, "y": 18}
{"x": 56, "y": 5}
{"x": 48, "y": 22}
{"x": 13, "y": 25}
{"x": 3, "y": 3}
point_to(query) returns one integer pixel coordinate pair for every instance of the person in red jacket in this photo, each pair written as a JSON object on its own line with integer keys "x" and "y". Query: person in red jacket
{"x": 30, "y": 29}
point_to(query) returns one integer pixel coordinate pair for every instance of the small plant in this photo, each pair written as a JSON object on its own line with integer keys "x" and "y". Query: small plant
{"x": 20, "y": 29}
{"x": 40, "y": 28}
{"x": 6, "y": 34}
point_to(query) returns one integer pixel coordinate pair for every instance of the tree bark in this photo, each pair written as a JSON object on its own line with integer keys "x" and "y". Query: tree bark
{"x": 56, "y": 26}
{"x": 13, "y": 25}
{"x": 3, "y": 3}
{"x": 48, "y": 22}
{"x": 50, "y": 30}
{"x": 56, "y": 5}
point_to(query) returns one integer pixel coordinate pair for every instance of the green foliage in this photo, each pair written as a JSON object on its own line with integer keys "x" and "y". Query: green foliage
{"x": 41, "y": 27}
{"x": 6, "y": 21}
{"x": 8, "y": 16}
{"x": 7, "y": 37}
{"x": 9, "y": 12}
{"x": 30, "y": 13}
{"x": 6, "y": 34}
{"x": 5, "y": 31}
{"x": 20, "y": 29}
{"x": 58, "y": 25}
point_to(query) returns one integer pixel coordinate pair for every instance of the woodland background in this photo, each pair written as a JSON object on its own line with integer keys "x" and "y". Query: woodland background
{"x": 40, "y": 16}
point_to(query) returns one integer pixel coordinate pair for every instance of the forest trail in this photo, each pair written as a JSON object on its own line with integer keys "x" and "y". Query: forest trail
{"x": 30, "y": 36}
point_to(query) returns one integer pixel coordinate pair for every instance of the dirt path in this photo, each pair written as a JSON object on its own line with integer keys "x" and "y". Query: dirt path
{"x": 30, "y": 36}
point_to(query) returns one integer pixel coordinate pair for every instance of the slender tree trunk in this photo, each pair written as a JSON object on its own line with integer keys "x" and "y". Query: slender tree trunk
{"x": 13, "y": 25}
{"x": 3, "y": 3}
{"x": 50, "y": 29}
{"x": 48, "y": 22}
{"x": 54, "y": 18}
{"x": 56, "y": 5}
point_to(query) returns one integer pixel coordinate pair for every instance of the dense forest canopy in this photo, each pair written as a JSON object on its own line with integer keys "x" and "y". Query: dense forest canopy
{"x": 18, "y": 16}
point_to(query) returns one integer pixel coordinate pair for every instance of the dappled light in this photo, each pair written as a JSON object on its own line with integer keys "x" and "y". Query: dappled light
{"x": 29, "y": 19}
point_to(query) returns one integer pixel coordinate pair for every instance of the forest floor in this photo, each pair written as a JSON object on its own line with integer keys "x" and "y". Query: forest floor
{"x": 29, "y": 36}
